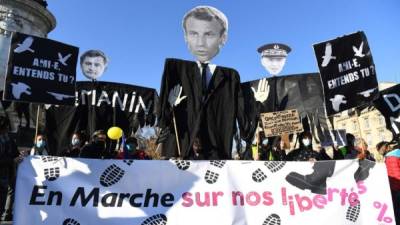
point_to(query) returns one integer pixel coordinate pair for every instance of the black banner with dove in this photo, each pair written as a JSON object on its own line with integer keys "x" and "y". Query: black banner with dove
{"x": 41, "y": 70}
{"x": 347, "y": 72}
{"x": 389, "y": 105}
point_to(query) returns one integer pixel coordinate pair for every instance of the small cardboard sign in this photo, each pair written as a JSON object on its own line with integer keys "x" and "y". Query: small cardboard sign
{"x": 281, "y": 122}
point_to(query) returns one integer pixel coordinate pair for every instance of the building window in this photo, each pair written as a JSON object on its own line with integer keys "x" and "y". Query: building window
{"x": 369, "y": 139}
{"x": 366, "y": 123}
{"x": 355, "y": 126}
{"x": 381, "y": 120}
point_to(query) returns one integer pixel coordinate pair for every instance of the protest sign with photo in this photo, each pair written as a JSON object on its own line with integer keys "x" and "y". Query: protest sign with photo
{"x": 281, "y": 122}
{"x": 347, "y": 72}
{"x": 54, "y": 190}
{"x": 40, "y": 70}
{"x": 101, "y": 105}
{"x": 389, "y": 105}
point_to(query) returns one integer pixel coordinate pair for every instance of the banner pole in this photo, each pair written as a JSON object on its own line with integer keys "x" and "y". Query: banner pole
{"x": 257, "y": 142}
{"x": 37, "y": 122}
{"x": 358, "y": 123}
{"x": 176, "y": 133}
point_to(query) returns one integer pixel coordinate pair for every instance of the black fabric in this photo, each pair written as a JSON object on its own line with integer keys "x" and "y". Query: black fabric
{"x": 102, "y": 113}
{"x": 204, "y": 85}
{"x": 347, "y": 72}
{"x": 389, "y": 105}
{"x": 302, "y": 154}
{"x": 213, "y": 120}
{"x": 8, "y": 152}
{"x": 94, "y": 151}
{"x": 302, "y": 92}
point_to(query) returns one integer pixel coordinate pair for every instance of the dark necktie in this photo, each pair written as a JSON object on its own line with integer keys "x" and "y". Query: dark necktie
{"x": 204, "y": 79}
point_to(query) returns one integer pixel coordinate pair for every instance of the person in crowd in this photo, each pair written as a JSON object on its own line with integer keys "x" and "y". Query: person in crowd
{"x": 197, "y": 150}
{"x": 305, "y": 152}
{"x": 206, "y": 98}
{"x": 129, "y": 149}
{"x": 141, "y": 153}
{"x": 323, "y": 155}
{"x": 392, "y": 161}
{"x": 97, "y": 147}
{"x": 74, "y": 148}
{"x": 9, "y": 158}
{"x": 382, "y": 148}
{"x": 360, "y": 150}
{"x": 40, "y": 145}
{"x": 272, "y": 149}
{"x": 350, "y": 152}
{"x": 337, "y": 153}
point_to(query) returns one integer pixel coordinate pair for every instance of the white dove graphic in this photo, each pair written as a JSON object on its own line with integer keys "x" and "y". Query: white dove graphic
{"x": 337, "y": 101}
{"x": 59, "y": 96}
{"x": 358, "y": 52}
{"x": 393, "y": 124}
{"x": 19, "y": 88}
{"x": 328, "y": 55}
{"x": 367, "y": 93}
{"x": 63, "y": 60}
{"x": 25, "y": 46}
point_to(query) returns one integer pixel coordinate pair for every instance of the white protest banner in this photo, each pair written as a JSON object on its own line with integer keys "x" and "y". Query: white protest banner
{"x": 59, "y": 191}
{"x": 281, "y": 122}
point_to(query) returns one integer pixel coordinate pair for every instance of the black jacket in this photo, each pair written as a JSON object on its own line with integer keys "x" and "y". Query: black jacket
{"x": 8, "y": 152}
{"x": 212, "y": 118}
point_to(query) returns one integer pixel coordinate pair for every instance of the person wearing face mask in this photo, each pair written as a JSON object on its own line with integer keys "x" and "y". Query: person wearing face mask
{"x": 40, "y": 146}
{"x": 305, "y": 152}
{"x": 97, "y": 148}
{"x": 74, "y": 148}
{"x": 128, "y": 149}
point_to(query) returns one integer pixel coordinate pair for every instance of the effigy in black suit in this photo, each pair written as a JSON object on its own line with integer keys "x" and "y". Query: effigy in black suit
{"x": 211, "y": 118}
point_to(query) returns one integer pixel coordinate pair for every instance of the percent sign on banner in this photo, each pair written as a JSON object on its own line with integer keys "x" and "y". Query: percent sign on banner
{"x": 382, "y": 212}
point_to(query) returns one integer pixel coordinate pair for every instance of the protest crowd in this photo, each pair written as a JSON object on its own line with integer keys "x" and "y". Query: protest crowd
{"x": 218, "y": 118}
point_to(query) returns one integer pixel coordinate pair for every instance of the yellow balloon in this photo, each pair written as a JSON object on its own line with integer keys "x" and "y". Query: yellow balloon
{"x": 114, "y": 133}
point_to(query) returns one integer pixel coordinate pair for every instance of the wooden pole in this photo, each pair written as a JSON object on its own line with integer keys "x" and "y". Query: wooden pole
{"x": 37, "y": 122}
{"x": 176, "y": 133}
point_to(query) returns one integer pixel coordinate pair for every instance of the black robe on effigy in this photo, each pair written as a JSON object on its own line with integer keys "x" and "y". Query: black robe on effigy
{"x": 211, "y": 119}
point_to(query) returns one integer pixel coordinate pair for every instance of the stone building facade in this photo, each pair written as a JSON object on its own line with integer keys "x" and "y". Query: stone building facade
{"x": 368, "y": 124}
{"x": 29, "y": 17}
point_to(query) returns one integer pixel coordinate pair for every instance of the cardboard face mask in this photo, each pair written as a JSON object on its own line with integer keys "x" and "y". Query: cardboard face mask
{"x": 274, "y": 65}
{"x": 205, "y": 30}
{"x": 93, "y": 64}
